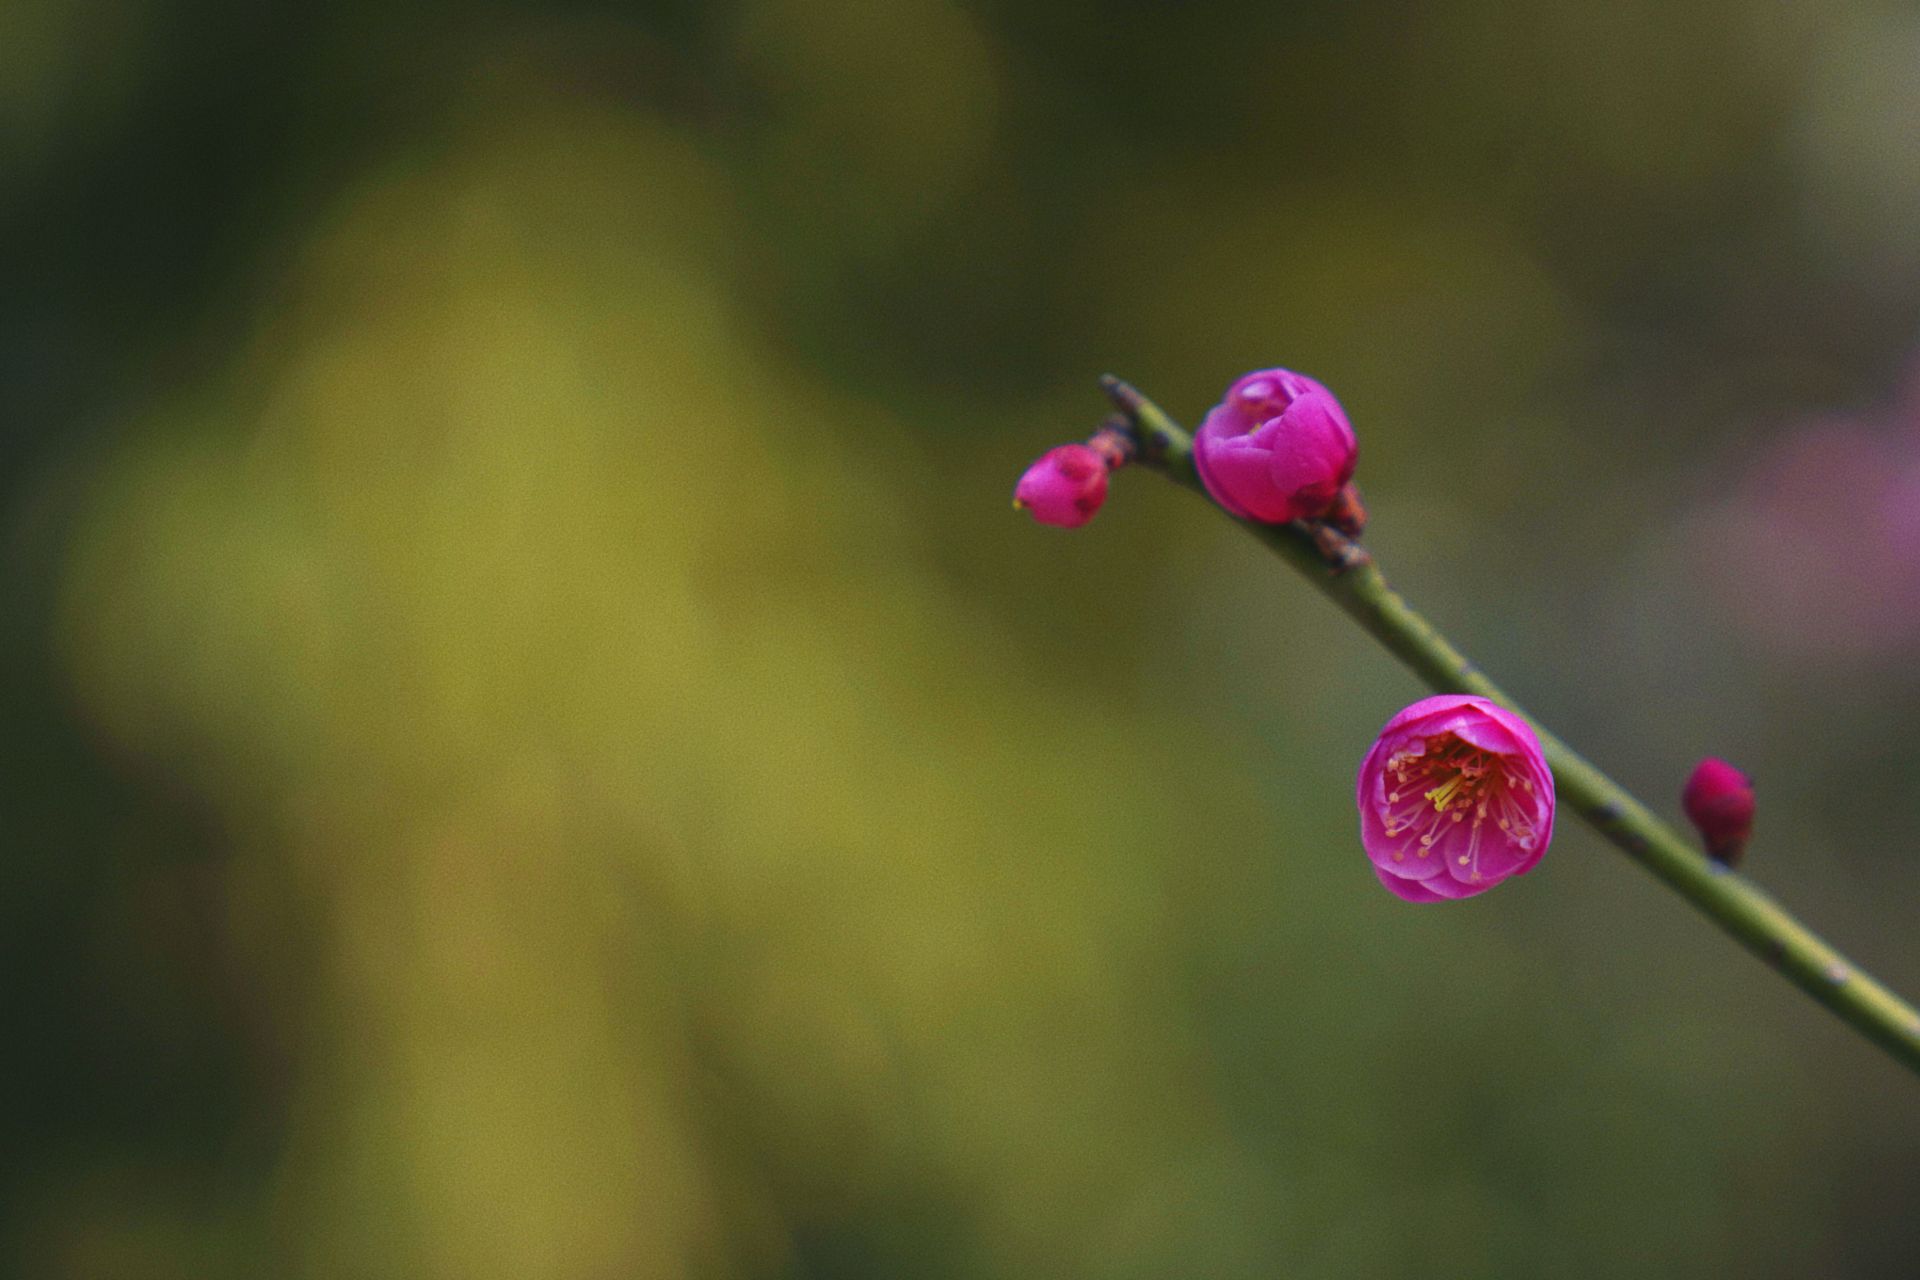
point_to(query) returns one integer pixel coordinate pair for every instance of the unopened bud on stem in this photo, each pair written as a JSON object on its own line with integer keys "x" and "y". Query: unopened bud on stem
{"x": 1719, "y": 802}
{"x": 1277, "y": 448}
{"x": 1065, "y": 487}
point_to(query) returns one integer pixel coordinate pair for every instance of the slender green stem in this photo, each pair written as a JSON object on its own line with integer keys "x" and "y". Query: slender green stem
{"x": 1351, "y": 580}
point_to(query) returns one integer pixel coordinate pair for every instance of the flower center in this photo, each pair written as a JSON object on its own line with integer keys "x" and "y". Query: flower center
{"x": 1441, "y": 784}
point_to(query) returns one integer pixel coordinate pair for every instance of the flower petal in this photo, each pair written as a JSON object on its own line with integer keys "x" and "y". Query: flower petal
{"x": 1313, "y": 453}
{"x": 1238, "y": 473}
{"x": 1410, "y": 890}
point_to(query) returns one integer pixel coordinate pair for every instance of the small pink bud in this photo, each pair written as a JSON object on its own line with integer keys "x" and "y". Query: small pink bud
{"x": 1719, "y": 801}
{"x": 1454, "y": 797}
{"x": 1278, "y": 448}
{"x": 1065, "y": 487}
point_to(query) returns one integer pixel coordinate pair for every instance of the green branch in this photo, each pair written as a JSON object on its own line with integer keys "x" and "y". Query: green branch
{"x": 1347, "y": 575}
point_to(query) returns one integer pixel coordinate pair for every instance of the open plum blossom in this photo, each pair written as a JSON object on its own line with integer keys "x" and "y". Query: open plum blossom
{"x": 1278, "y": 448}
{"x": 1454, "y": 797}
{"x": 1065, "y": 487}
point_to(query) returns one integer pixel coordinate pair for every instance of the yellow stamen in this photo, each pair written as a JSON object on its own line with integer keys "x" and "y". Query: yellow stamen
{"x": 1443, "y": 793}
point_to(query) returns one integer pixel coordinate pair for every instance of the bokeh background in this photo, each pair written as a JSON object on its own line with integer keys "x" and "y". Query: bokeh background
{"x": 532, "y": 746}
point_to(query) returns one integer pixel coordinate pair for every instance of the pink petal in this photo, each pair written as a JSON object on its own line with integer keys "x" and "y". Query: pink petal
{"x": 1411, "y": 890}
{"x": 1313, "y": 453}
{"x": 1239, "y": 474}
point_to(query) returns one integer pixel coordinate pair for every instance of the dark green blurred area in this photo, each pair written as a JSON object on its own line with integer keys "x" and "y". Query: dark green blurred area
{"x": 533, "y": 746}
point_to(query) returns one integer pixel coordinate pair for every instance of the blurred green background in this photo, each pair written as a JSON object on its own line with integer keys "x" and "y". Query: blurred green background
{"x": 532, "y": 746}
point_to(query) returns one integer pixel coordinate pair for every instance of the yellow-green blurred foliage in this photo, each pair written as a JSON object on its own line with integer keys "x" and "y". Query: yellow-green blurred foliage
{"x": 603, "y": 787}
{"x": 629, "y": 803}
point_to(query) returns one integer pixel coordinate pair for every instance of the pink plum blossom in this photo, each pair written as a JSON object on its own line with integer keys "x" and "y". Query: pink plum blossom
{"x": 1065, "y": 487}
{"x": 1278, "y": 448}
{"x": 1454, "y": 797}
{"x": 1719, "y": 801}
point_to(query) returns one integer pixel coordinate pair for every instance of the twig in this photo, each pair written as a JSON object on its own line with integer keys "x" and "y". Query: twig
{"x": 1730, "y": 900}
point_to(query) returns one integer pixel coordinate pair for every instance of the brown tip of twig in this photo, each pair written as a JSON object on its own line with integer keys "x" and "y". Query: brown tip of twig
{"x": 1121, "y": 392}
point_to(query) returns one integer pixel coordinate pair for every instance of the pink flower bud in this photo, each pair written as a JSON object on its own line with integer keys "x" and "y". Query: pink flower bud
{"x": 1455, "y": 796}
{"x": 1065, "y": 487}
{"x": 1719, "y": 801}
{"x": 1277, "y": 448}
